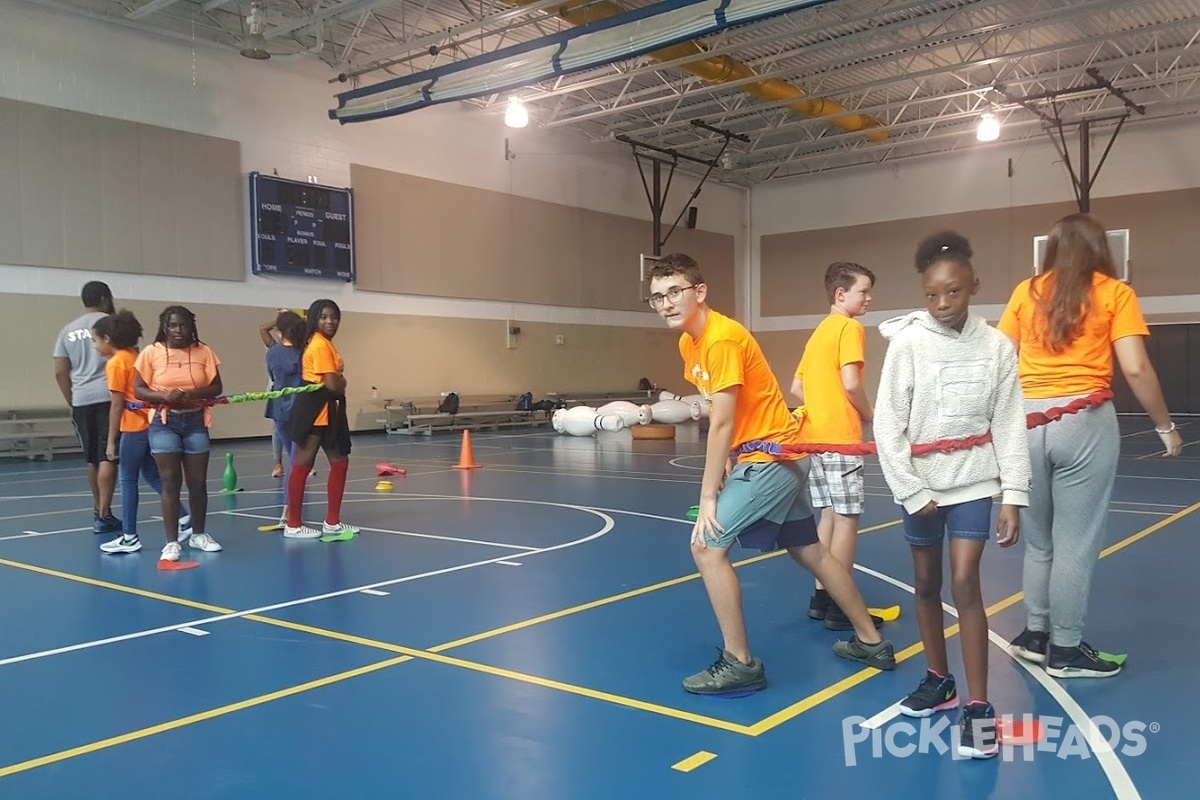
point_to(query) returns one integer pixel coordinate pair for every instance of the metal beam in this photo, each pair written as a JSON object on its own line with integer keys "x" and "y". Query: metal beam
{"x": 149, "y": 8}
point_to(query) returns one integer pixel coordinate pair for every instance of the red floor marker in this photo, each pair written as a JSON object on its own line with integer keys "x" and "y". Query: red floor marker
{"x": 171, "y": 566}
{"x": 1018, "y": 732}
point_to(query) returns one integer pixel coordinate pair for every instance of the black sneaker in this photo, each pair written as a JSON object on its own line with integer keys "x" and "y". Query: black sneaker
{"x": 936, "y": 693}
{"x": 728, "y": 675}
{"x": 977, "y": 731}
{"x": 836, "y": 619}
{"x": 819, "y": 604}
{"x": 879, "y": 656}
{"x": 1030, "y": 645}
{"x": 105, "y": 524}
{"x": 1079, "y": 662}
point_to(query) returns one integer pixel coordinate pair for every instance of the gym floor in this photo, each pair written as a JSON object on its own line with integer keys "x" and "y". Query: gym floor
{"x": 521, "y": 630}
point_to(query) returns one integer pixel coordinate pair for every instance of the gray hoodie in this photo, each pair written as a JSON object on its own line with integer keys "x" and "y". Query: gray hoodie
{"x": 937, "y": 384}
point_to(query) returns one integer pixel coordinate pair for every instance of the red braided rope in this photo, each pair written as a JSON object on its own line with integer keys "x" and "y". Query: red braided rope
{"x": 1033, "y": 420}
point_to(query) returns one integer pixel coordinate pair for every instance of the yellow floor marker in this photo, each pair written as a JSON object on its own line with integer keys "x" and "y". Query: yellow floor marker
{"x": 693, "y": 761}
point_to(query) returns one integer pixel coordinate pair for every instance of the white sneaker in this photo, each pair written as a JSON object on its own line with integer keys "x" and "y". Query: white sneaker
{"x": 302, "y": 532}
{"x": 122, "y": 544}
{"x": 171, "y": 552}
{"x": 334, "y": 530}
{"x": 202, "y": 541}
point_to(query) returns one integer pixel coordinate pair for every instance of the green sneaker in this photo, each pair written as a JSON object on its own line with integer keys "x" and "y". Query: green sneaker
{"x": 728, "y": 675}
{"x": 879, "y": 656}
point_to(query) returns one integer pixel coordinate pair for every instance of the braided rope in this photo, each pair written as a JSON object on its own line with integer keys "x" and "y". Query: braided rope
{"x": 1033, "y": 420}
{"x": 244, "y": 397}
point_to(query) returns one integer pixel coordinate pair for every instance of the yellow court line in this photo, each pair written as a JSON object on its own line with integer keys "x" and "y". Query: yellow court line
{"x": 92, "y": 747}
{"x": 53, "y": 573}
{"x": 693, "y": 761}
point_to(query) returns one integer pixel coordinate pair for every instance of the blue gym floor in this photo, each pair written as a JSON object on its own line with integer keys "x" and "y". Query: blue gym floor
{"x": 520, "y": 631}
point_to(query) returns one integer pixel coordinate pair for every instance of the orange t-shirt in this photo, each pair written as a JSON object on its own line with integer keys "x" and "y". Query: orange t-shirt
{"x": 727, "y": 355}
{"x": 120, "y": 371}
{"x": 829, "y": 416}
{"x": 1086, "y": 364}
{"x": 164, "y": 368}
{"x": 320, "y": 357}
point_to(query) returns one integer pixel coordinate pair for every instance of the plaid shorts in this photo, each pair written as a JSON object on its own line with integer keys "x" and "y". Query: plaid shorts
{"x": 836, "y": 481}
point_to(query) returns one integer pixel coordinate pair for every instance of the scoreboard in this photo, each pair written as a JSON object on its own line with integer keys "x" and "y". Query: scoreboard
{"x": 301, "y": 229}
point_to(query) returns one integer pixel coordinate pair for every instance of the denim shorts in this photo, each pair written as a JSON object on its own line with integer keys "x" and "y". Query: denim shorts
{"x": 764, "y": 506}
{"x": 970, "y": 520}
{"x": 183, "y": 432}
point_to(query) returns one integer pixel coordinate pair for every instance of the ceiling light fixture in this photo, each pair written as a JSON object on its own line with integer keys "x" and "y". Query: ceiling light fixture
{"x": 255, "y": 44}
{"x": 989, "y": 128}
{"x": 516, "y": 115}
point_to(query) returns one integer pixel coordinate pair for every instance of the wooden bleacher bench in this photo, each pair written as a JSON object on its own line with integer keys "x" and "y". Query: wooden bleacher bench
{"x": 37, "y": 432}
{"x": 412, "y": 416}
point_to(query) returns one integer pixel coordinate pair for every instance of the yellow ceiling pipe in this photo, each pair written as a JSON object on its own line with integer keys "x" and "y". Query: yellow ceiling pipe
{"x": 724, "y": 69}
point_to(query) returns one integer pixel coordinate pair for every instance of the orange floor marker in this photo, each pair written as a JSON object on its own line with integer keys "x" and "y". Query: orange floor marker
{"x": 466, "y": 459}
{"x": 172, "y": 566}
{"x": 1018, "y": 732}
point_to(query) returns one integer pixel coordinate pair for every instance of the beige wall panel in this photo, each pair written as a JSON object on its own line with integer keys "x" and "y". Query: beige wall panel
{"x": 156, "y": 190}
{"x": 40, "y": 185}
{"x": 227, "y": 192}
{"x": 612, "y": 248}
{"x": 81, "y": 170}
{"x": 189, "y": 205}
{"x": 417, "y": 236}
{"x": 120, "y": 206}
{"x": 1164, "y": 244}
{"x": 10, "y": 176}
{"x": 547, "y": 252}
{"x": 369, "y": 227}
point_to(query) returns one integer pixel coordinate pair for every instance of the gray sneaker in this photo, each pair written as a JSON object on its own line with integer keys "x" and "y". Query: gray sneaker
{"x": 879, "y": 656}
{"x": 728, "y": 675}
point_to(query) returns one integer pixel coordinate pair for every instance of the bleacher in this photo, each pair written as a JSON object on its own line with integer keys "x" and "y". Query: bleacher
{"x": 420, "y": 415}
{"x": 37, "y": 433}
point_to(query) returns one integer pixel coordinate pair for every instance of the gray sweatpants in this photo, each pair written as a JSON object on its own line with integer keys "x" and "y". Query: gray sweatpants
{"x": 1074, "y": 463}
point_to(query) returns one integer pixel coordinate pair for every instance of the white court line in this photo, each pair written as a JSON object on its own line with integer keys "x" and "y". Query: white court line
{"x": 883, "y": 717}
{"x": 1114, "y": 770}
{"x": 30, "y": 534}
{"x": 608, "y": 526}
{"x": 193, "y": 631}
{"x": 510, "y": 563}
{"x": 376, "y": 592}
{"x": 413, "y": 534}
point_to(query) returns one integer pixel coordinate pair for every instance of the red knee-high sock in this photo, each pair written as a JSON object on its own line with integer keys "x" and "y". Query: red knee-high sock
{"x": 335, "y": 488}
{"x": 295, "y": 494}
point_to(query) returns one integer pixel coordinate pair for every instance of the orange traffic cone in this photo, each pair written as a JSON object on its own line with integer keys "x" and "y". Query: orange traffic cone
{"x": 466, "y": 458}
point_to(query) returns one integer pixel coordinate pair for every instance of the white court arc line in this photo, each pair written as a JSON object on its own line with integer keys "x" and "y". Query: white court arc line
{"x": 608, "y": 525}
{"x": 1114, "y": 770}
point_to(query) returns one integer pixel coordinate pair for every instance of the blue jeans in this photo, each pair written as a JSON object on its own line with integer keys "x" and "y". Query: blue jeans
{"x": 970, "y": 520}
{"x": 133, "y": 459}
{"x": 183, "y": 432}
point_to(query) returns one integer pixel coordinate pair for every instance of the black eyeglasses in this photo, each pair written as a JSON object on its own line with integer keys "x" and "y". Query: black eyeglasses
{"x": 674, "y": 294}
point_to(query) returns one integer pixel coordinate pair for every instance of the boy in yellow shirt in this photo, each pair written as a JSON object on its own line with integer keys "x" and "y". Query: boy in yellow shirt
{"x": 761, "y": 502}
{"x": 829, "y": 385}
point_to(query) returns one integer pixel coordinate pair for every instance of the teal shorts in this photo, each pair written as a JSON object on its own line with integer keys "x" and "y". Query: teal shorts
{"x": 765, "y": 506}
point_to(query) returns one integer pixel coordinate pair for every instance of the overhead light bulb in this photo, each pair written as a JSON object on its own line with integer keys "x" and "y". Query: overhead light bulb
{"x": 255, "y": 44}
{"x": 989, "y": 128}
{"x": 516, "y": 115}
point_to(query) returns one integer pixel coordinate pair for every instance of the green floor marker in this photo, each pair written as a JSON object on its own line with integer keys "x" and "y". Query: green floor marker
{"x": 1113, "y": 658}
{"x": 693, "y": 513}
{"x": 344, "y": 536}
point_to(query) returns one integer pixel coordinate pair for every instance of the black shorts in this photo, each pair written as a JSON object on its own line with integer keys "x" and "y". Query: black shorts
{"x": 91, "y": 426}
